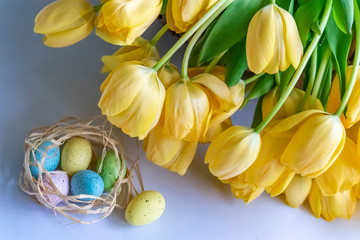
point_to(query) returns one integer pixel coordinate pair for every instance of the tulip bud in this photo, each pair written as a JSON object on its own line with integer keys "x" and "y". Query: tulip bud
{"x": 232, "y": 152}
{"x": 132, "y": 98}
{"x": 168, "y": 73}
{"x": 353, "y": 105}
{"x": 137, "y": 51}
{"x": 330, "y": 207}
{"x": 65, "y": 22}
{"x": 343, "y": 174}
{"x": 317, "y": 140}
{"x": 242, "y": 189}
{"x": 120, "y": 22}
{"x": 181, "y": 15}
{"x": 273, "y": 42}
{"x": 297, "y": 191}
{"x": 167, "y": 152}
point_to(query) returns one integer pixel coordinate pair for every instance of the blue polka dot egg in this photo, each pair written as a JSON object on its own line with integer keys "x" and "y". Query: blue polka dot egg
{"x": 51, "y": 155}
{"x": 87, "y": 182}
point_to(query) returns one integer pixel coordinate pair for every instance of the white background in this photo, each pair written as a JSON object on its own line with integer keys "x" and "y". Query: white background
{"x": 40, "y": 85}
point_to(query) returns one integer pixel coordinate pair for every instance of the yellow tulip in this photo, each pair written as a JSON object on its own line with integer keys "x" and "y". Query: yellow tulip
{"x": 137, "y": 51}
{"x": 267, "y": 170}
{"x": 343, "y": 174}
{"x": 357, "y": 190}
{"x": 273, "y": 42}
{"x": 243, "y": 190}
{"x": 225, "y": 101}
{"x": 232, "y": 152}
{"x": 168, "y": 73}
{"x": 65, "y": 22}
{"x": 317, "y": 140}
{"x": 187, "y": 111}
{"x": 330, "y": 207}
{"x": 290, "y": 105}
{"x": 167, "y": 152}
{"x": 353, "y": 105}
{"x": 120, "y": 22}
{"x": 132, "y": 98}
{"x": 297, "y": 191}
{"x": 281, "y": 183}
{"x": 181, "y": 15}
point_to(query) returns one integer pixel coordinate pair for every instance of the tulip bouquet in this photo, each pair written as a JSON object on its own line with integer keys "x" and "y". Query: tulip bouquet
{"x": 298, "y": 58}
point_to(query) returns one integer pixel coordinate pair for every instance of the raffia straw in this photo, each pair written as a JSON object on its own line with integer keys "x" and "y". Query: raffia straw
{"x": 100, "y": 135}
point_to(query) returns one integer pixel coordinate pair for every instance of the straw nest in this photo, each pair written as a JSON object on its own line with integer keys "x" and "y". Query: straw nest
{"x": 98, "y": 131}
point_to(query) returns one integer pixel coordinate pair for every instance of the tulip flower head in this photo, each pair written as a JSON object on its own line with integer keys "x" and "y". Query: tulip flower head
{"x": 65, "y": 22}
{"x": 181, "y": 15}
{"x": 120, "y": 22}
{"x": 132, "y": 98}
{"x": 167, "y": 152}
{"x": 232, "y": 152}
{"x": 273, "y": 42}
{"x": 330, "y": 207}
{"x": 244, "y": 190}
{"x": 343, "y": 174}
{"x": 317, "y": 140}
{"x": 137, "y": 51}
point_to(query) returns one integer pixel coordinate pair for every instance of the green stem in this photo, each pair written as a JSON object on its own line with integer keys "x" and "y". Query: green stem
{"x": 277, "y": 78}
{"x": 195, "y": 38}
{"x": 300, "y": 69}
{"x": 310, "y": 85}
{"x": 98, "y": 7}
{"x": 253, "y": 78}
{"x": 156, "y": 38}
{"x": 214, "y": 62}
{"x": 273, "y": 1}
{"x": 320, "y": 76}
{"x": 188, "y": 34}
{"x": 350, "y": 87}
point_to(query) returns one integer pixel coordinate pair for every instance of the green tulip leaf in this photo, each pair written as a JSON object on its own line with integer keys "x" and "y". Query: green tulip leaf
{"x": 339, "y": 43}
{"x": 326, "y": 85}
{"x": 258, "y": 113}
{"x": 236, "y": 64}
{"x": 343, "y": 12}
{"x": 306, "y": 16}
{"x": 230, "y": 28}
{"x": 163, "y": 7}
{"x": 261, "y": 87}
{"x": 194, "y": 60}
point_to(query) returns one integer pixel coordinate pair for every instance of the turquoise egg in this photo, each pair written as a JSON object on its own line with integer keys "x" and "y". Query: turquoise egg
{"x": 87, "y": 182}
{"x": 110, "y": 169}
{"x": 52, "y": 157}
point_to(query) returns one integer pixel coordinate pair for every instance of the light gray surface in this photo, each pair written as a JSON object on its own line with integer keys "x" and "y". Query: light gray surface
{"x": 40, "y": 85}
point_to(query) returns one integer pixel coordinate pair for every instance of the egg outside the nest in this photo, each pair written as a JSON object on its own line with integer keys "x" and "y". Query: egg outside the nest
{"x": 145, "y": 208}
{"x": 62, "y": 183}
{"x": 87, "y": 182}
{"x": 46, "y": 150}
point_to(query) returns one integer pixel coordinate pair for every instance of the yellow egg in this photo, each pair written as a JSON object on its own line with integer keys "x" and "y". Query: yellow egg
{"x": 145, "y": 208}
{"x": 76, "y": 155}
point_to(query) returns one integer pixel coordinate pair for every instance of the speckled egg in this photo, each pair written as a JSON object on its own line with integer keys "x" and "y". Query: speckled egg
{"x": 62, "y": 183}
{"x": 145, "y": 208}
{"x": 87, "y": 182}
{"x": 76, "y": 155}
{"x": 110, "y": 169}
{"x": 51, "y": 154}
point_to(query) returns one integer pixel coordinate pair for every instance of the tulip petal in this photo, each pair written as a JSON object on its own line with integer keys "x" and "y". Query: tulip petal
{"x": 242, "y": 189}
{"x": 281, "y": 183}
{"x": 297, "y": 191}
